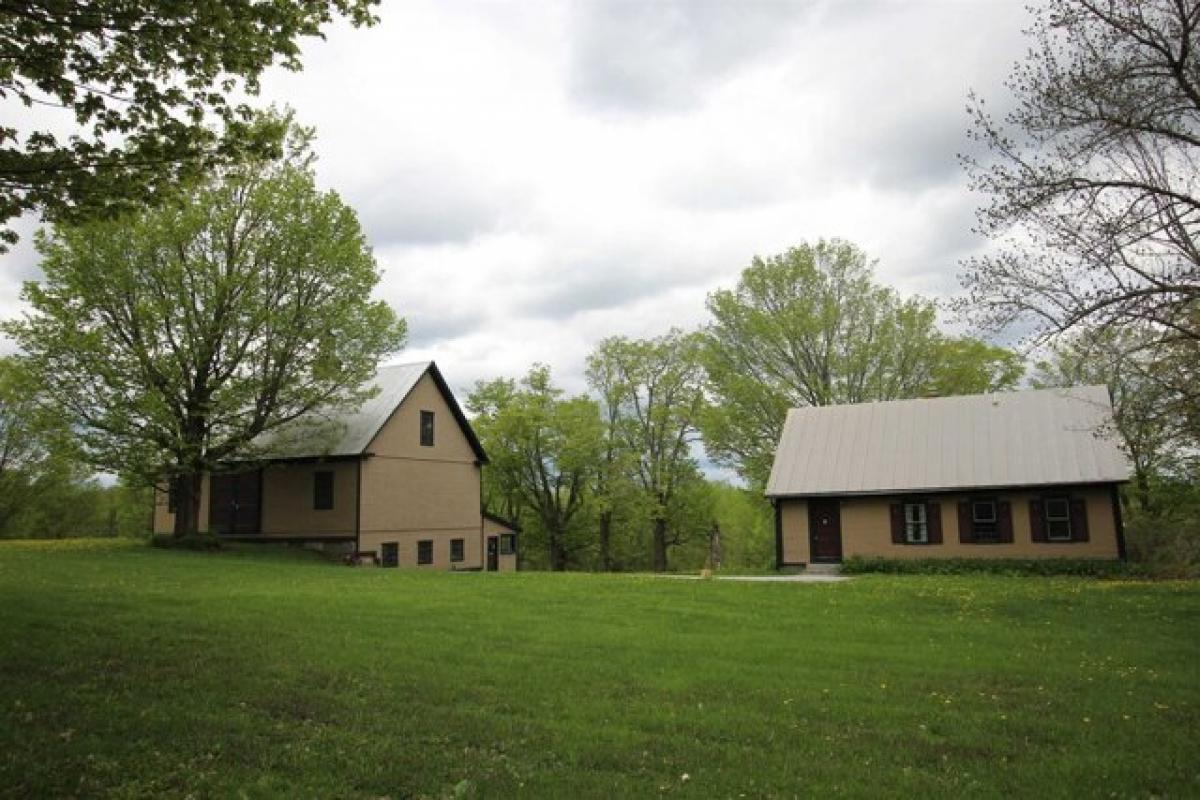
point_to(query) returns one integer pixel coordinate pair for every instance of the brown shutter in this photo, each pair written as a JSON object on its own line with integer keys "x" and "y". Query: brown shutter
{"x": 897, "y": 523}
{"x": 1037, "y": 521}
{"x": 933, "y": 513}
{"x": 1079, "y": 526}
{"x": 965, "y": 533}
{"x": 1004, "y": 521}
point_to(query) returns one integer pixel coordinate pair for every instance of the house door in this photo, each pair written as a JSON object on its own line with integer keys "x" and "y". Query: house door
{"x": 825, "y": 530}
{"x": 493, "y": 553}
{"x": 234, "y": 503}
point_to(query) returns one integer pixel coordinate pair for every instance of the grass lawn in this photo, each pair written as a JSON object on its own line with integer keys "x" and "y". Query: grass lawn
{"x": 132, "y": 672}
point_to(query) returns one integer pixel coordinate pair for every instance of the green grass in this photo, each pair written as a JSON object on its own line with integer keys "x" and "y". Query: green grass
{"x": 127, "y": 671}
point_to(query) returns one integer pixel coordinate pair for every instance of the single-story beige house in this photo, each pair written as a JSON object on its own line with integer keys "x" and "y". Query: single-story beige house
{"x": 1029, "y": 474}
{"x": 397, "y": 481}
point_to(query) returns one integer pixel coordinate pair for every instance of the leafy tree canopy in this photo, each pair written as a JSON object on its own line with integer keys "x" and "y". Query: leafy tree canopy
{"x": 812, "y": 327}
{"x": 139, "y": 81}
{"x": 174, "y": 338}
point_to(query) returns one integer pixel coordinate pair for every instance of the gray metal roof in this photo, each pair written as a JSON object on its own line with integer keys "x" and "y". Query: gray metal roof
{"x": 1039, "y": 436}
{"x": 341, "y": 432}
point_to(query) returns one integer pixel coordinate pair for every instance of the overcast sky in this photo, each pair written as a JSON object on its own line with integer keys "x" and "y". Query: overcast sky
{"x": 536, "y": 176}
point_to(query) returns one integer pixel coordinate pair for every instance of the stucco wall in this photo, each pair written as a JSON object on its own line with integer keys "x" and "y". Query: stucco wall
{"x": 411, "y": 492}
{"x": 866, "y": 529}
{"x": 164, "y": 520}
{"x": 795, "y": 531}
{"x": 407, "y": 541}
{"x": 287, "y": 499}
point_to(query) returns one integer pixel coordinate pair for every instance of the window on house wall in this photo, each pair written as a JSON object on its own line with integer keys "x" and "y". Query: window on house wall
{"x": 427, "y": 429}
{"x": 457, "y": 550}
{"x": 425, "y": 551}
{"x": 983, "y": 520}
{"x": 322, "y": 490}
{"x": 390, "y": 554}
{"x": 508, "y": 544}
{"x": 916, "y": 523}
{"x": 1058, "y": 519}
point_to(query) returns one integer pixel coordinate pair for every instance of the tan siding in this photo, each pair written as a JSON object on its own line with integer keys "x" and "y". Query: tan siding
{"x": 407, "y": 540}
{"x": 164, "y": 521}
{"x": 866, "y": 529}
{"x": 287, "y": 499}
{"x": 507, "y": 563}
{"x": 795, "y": 531}
{"x": 401, "y": 434}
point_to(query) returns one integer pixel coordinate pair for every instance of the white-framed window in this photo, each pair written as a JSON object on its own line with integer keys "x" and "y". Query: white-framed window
{"x": 1058, "y": 519}
{"x": 983, "y": 519}
{"x": 916, "y": 523}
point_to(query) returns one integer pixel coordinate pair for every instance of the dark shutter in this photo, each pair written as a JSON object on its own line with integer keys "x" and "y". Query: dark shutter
{"x": 1037, "y": 521}
{"x": 966, "y": 534}
{"x": 323, "y": 490}
{"x": 1004, "y": 529}
{"x": 933, "y": 512}
{"x": 1079, "y": 526}
{"x": 897, "y": 523}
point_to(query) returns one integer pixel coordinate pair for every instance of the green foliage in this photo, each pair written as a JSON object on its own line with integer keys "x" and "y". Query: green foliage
{"x": 812, "y": 327}
{"x": 544, "y": 455}
{"x": 653, "y": 391}
{"x": 135, "y": 672}
{"x": 173, "y": 339}
{"x": 747, "y": 524}
{"x": 861, "y": 565}
{"x": 140, "y": 80}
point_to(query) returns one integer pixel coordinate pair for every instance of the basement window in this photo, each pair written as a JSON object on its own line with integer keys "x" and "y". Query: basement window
{"x": 916, "y": 523}
{"x": 426, "y": 429}
{"x": 1058, "y": 519}
{"x": 425, "y": 551}
{"x": 457, "y": 550}
{"x": 508, "y": 544}
{"x": 323, "y": 491}
{"x": 390, "y": 554}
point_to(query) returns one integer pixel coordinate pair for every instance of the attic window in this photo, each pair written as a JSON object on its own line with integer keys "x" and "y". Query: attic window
{"x": 426, "y": 429}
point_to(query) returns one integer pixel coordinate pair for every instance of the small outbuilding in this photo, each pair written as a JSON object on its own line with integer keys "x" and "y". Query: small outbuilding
{"x": 395, "y": 481}
{"x": 1029, "y": 474}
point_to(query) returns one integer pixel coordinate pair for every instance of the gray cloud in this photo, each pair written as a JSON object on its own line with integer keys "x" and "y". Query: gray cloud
{"x": 649, "y": 56}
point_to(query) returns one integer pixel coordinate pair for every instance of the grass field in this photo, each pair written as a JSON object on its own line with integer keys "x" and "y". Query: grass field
{"x": 132, "y": 672}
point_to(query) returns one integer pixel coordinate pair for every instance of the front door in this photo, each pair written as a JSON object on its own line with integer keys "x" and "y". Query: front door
{"x": 234, "y": 502}
{"x": 493, "y": 553}
{"x": 825, "y": 530}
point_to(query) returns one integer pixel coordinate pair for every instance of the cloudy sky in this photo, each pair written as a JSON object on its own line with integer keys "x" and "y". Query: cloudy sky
{"x": 536, "y": 176}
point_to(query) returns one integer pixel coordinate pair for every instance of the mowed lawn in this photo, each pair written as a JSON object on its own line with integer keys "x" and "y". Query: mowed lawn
{"x": 132, "y": 672}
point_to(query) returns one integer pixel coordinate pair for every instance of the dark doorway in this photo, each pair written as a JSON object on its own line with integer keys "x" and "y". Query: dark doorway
{"x": 493, "y": 553}
{"x": 825, "y": 530}
{"x": 234, "y": 503}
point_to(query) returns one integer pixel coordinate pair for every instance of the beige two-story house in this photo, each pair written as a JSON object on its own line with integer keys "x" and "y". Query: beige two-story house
{"x": 396, "y": 481}
{"x": 1030, "y": 474}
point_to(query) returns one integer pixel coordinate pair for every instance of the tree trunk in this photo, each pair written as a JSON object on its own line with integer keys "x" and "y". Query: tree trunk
{"x": 1142, "y": 481}
{"x": 605, "y": 541}
{"x": 187, "y": 505}
{"x": 714, "y": 546}
{"x": 660, "y": 544}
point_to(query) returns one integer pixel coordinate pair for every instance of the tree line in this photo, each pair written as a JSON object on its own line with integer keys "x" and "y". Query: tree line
{"x": 201, "y": 291}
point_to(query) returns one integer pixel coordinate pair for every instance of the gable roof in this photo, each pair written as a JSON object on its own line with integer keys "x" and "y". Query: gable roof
{"x": 1034, "y": 437}
{"x": 351, "y": 432}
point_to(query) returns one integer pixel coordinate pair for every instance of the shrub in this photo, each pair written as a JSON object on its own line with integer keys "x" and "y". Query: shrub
{"x": 858, "y": 565}
{"x": 1163, "y": 547}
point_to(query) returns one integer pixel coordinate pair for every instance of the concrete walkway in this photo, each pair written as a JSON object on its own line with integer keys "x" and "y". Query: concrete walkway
{"x": 799, "y": 578}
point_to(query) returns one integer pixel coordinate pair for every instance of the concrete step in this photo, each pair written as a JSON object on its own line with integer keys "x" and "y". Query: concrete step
{"x": 823, "y": 569}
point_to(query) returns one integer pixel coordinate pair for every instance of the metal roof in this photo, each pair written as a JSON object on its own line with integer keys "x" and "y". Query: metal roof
{"x": 341, "y": 432}
{"x": 1033, "y": 437}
